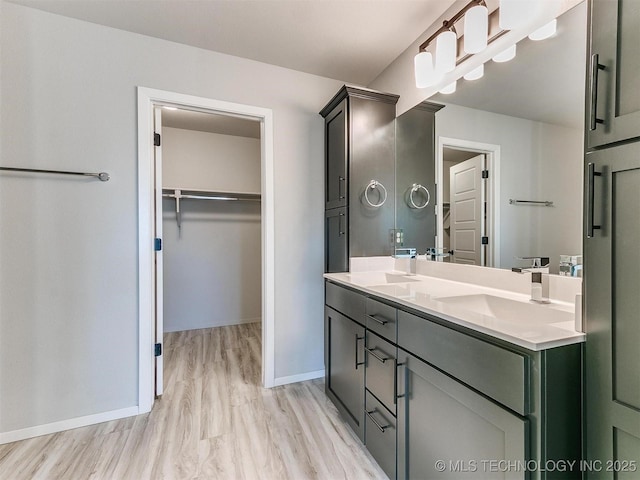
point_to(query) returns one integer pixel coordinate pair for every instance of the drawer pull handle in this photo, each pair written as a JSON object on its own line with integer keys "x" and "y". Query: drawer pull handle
{"x": 374, "y": 354}
{"x": 356, "y": 351}
{"x": 377, "y": 320}
{"x": 382, "y": 428}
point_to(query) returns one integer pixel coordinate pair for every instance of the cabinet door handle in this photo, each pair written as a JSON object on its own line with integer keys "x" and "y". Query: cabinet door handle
{"x": 591, "y": 174}
{"x": 382, "y": 428}
{"x": 396, "y": 396}
{"x": 595, "y": 68}
{"x": 341, "y": 180}
{"x": 357, "y": 364}
{"x": 341, "y": 230}
{"x": 375, "y": 355}
{"x": 377, "y": 320}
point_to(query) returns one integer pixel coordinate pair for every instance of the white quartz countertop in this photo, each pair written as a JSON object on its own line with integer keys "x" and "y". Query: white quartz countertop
{"x": 501, "y": 314}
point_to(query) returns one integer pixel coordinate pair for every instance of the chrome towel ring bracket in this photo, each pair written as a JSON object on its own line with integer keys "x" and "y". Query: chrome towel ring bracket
{"x": 374, "y": 184}
{"x": 415, "y": 188}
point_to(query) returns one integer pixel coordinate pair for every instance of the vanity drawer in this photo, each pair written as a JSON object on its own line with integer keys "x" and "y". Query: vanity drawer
{"x": 382, "y": 319}
{"x": 495, "y": 371}
{"x": 380, "y": 369}
{"x": 345, "y": 301}
{"x": 380, "y": 434}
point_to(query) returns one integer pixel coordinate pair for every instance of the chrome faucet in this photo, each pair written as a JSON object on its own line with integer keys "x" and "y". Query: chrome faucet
{"x": 434, "y": 252}
{"x": 539, "y": 282}
{"x": 409, "y": 253}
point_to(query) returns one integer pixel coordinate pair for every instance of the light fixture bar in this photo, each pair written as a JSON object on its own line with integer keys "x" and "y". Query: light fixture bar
{"x": 447, "y": 24}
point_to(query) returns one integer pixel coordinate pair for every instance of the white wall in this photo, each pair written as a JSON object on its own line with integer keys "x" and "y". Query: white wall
{"x": 538, "y": 161}
{"x": 68, "y": 247}
{"x": 212, "y": 264}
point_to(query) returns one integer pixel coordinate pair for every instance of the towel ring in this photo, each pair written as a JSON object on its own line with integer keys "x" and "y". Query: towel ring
{"x": 414, "y": 188}
{"x": 375, "y": 184}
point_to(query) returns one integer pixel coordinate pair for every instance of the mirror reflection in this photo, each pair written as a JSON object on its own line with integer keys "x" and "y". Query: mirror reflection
{"x": 522, "y": 125}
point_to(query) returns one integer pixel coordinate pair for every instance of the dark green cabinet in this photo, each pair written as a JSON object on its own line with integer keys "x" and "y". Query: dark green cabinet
{"x": 613, "y": 96}
{"x": 344, "y": 367}
{"x": 448, "y": 431}
{"x": 611, "y": 273}
{"x": 336, "y": 240}
{"x": 359, "y": 173}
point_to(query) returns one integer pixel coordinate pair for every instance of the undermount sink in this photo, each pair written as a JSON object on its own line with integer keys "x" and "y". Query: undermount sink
{"x": 398, "y": 278}
{"x": 506, "y": 309}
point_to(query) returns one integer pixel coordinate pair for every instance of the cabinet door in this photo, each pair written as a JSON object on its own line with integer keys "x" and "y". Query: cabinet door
{"x": 336, "y": 159}
{"x": 612, "y": 303}
{"x": 447, "y": 431}
{"x": 613, "y": 104}
{"x": 344, "y": 364}
{"x": 336, "y": 245}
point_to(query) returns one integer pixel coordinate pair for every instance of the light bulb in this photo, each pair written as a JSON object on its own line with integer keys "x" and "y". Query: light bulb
{"x": 506, "y": 55}
{"x": 451, "y": 88}
{"x": 545, "y": 31}
{"x": 475, "y": 74}
{"x": 425, "y": 73}
{"x": 476, "y": 27}
{"x": 446, "y": 51}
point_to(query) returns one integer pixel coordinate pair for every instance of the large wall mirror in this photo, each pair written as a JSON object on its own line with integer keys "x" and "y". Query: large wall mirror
{"x": 522, "y": 124}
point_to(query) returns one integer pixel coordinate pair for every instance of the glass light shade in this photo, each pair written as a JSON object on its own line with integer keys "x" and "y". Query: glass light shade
{"x": 451, "y": 88}
{"x": 506, "y": 55}
{"x": 475, "y": 74}
{"x": 515, "y": 13}
{"x": 476, "y": 28}
{"x": 424, "y": 70}
{"x": 545, "y": 31}
{"x": 446, "y": 52}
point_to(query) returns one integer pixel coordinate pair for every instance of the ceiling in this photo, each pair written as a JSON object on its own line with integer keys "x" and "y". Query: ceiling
{"x": 545, "y": 82}
{"x": 211, "y": 122}
{"x": 348, "y": 40}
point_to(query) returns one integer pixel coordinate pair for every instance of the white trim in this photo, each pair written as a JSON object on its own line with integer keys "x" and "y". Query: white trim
{"x": 493, "y": 195}
{"x": 147, "y": 98}
{"x": 48, "y": 428}
{"x": 301, "y": 377}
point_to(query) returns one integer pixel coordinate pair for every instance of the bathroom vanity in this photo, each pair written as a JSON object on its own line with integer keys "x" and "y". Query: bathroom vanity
{"x": 446, "y": 379}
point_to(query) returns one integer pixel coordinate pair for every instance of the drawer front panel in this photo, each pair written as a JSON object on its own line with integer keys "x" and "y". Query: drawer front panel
{"x": 380, "y": 435}
{"x": 380, "y": 361}
{"x": 382, "y": 319}
{"x": 345, "y": 301}
{"x": 499, "y": 373}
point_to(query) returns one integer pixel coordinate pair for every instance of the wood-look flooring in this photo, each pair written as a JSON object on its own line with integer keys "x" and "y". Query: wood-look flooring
{"x": 214, "y": 421}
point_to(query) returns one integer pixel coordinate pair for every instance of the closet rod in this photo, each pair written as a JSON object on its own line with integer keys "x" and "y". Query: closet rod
{"x": 102, "y": 176}
{"x": 205, "y": 197}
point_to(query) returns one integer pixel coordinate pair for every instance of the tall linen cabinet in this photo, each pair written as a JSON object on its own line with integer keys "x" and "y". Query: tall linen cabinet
{"x": 611, "y": 248}
{"x": 359, "y": 175}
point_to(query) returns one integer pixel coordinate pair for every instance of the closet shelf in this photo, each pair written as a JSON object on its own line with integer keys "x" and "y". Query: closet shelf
{"x": 184, "y": 194}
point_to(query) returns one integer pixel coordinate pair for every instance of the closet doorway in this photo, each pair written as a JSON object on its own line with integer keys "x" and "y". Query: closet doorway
{"x": 206, "y": 167}
{"x": 467, "y": 201}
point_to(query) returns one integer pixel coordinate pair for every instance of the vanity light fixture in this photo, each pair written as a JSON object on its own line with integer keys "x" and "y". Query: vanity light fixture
{"x": 425, "y": 72}
{"x": 451, "y": 88}
{"x": 476, "y": 28}
{"x": 545, "y": 31}
{"x": 475, "y": 74}
{"x": 446, "y": 51}
{"x": 506, "y": 55}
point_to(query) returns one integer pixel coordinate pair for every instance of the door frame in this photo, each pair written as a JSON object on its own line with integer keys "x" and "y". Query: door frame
{"x": 492, "y": 194}
{"x": 147, "y": 99}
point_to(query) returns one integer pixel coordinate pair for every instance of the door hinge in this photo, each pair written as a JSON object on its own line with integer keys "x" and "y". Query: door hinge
{"x": 485, "y": 173}
{"x": 485, "y": 241}
{"x": 157, "y": 244}
{"x": 157, "y": 349}
{"x": 156, "y": 139}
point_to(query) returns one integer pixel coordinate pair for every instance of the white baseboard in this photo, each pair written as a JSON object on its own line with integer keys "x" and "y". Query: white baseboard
{"x": 301, "y": 377}
{"x": 46, "y": 429}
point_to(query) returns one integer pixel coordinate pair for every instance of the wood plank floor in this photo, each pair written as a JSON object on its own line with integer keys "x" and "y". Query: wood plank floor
{"x": 214, "y": 421}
